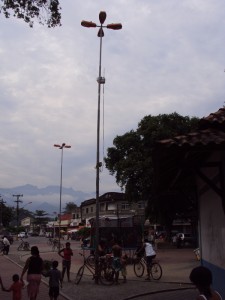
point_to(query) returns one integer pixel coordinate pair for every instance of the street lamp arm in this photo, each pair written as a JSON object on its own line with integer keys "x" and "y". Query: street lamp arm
{"x": 114, "y": 26}
{"x": 88, "y": 24}
{"x": 56, "y": 145}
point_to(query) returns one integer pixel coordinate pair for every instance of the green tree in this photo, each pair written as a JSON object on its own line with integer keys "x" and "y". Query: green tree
{"x": 130, "y": 160}
{"x": 70, "y": 208}
{"x": 45, "y": 11}
{"x": 40, "y": 217}
{"x": 7, "y": 215}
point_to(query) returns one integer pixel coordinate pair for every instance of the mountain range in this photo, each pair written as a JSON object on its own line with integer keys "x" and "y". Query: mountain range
{"x": 47, "y": 198}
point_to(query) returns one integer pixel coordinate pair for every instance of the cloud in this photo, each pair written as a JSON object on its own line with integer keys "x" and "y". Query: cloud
{"x": 168, "y": 57}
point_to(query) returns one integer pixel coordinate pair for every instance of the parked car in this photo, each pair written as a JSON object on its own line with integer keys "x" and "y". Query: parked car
{"x": 22, "y": 235}
{"x": 34, "y": 234}
{"x": 186, "y": 239}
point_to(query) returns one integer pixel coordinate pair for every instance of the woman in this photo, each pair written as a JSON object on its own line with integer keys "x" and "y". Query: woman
{"x": 201, "y": 277}
{"x": 33, "y": 267}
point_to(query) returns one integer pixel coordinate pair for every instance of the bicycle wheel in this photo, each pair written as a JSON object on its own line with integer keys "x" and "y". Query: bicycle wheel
{"x": 49, "y": 242}
{"x": 106, "y": 275}
{"x": 139, "y": 269}
{"x": 26, "y": 248}
{"x": 156, "y": 271}
{"x": 79, "y": 275}
{"x": 20, "y": 247}
{"x": 91, "y": 260}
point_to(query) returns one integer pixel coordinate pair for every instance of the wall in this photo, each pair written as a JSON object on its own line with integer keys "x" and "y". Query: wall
{"x": 212, "y": 227}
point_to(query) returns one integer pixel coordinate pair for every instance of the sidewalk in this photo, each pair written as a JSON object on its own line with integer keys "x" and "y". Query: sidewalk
{"x": 174, "y": 284}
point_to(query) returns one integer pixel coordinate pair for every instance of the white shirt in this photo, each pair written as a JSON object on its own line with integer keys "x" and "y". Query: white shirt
{"x": 6, "y": 241}
{"x": 149, "y": 251}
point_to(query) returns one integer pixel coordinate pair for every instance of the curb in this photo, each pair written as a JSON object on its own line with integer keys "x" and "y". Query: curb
{"x": 159, "y": 292}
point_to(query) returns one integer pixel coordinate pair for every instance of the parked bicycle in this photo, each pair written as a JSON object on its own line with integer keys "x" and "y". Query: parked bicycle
{"x": 56, "y": 246}
{"x": 24, "y": 246}
{"x": 155, "y": 269}
{"x": 105, "y": 271}
{"x": 2, "y": 247}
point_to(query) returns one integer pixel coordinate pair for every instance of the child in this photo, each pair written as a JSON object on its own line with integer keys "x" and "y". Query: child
{"x": 55, "y": 280}
{"x": 202, "y": 279}
{"x": 124, "y": 259}
{"x": 16, "y": 287}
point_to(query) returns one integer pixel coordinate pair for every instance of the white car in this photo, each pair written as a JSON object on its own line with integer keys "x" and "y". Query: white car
{"x": 22, "y": 234}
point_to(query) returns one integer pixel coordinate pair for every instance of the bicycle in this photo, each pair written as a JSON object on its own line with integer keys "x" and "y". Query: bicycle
{"x": 2, "y": 247}
{"x": 55, "y": 245}
{"x": 50, "y": 241}
{"x": 24, "y": 246}
{"x": 155, "y": 269}
{"x": 105, "y": 271}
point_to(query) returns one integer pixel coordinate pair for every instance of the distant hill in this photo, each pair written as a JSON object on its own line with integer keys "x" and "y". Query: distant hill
{"x": 46, "y": 198}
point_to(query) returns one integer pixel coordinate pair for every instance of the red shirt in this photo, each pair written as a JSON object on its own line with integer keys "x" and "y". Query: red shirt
{"x": 16, "y": 288}
{"x": 67, "y": 253}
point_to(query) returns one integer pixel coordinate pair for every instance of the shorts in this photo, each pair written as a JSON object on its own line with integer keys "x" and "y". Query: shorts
{"x": 149, "y": 260}
{"x": 66, "y": 264}
{"x": 54, "y": 291}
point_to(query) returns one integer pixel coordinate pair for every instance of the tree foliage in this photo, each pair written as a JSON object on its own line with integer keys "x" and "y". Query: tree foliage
{"x": 130, "y": 159}
{"x": 45, "y": 11}
{"x": 7, "y": 215}
{"x": 70, "y": 208}
{"x": 40, "y": 217}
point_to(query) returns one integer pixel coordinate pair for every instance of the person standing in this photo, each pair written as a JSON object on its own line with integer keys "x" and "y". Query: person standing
{"x": 201, "y": 277}
{"x": 55, "y": 280}
{"x": 33, "y": 267}
{"x": 116, "y": 263}
{"x": 66, "y": 254}
{"x": 6, "y": 245}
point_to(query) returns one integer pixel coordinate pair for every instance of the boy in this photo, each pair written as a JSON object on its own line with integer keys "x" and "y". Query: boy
{"x": 16, "y": 287}
{"x": 66, "y": 254}
{"x": 55, "y": 280}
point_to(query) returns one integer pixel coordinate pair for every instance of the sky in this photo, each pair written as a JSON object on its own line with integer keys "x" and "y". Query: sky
{"x": 168, "y": 57}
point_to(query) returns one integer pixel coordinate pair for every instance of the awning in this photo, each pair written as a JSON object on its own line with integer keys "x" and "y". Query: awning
{"x": 72, "y": 230}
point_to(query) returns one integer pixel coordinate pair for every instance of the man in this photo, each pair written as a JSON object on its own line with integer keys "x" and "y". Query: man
{"x": 6, "y": 245}
{"x": 149, "y": 255}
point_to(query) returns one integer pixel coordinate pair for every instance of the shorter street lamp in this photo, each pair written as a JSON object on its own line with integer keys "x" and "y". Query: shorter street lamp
{"x": 61, "y": 147}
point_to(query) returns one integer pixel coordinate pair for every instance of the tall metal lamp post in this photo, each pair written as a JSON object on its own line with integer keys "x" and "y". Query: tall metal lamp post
{"x": 100, "y": 80}
{"x": 61, "y": 147}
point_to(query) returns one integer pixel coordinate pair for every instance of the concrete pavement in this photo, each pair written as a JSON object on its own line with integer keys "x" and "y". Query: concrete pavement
{"x": 174, "y": 284}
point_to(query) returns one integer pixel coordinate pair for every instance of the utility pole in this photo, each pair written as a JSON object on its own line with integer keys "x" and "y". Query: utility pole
{"x": 17, "y": 208}
{"x": 1, "y": 202}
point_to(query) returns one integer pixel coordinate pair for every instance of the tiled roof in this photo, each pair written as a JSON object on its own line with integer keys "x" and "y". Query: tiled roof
{"x": 176, "y": 157}
{"x": 216, "y": 119}
{"x": 211, "y": 132}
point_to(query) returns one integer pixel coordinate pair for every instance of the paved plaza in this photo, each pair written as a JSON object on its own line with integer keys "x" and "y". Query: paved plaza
{"x": 174, "y": 284}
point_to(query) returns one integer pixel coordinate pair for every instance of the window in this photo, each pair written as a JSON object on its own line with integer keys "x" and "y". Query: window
{"x": 125, "y": 206}
{"x": 102, "y": 206}
{"x": 87, "y": 210}
{"x": 141, "y": 205}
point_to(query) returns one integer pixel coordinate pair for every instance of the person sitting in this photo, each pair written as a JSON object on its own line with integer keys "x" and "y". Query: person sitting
{"x": 201, "y": 277}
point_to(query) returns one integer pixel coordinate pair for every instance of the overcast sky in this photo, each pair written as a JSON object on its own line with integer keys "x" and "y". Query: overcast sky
{"x": 168, "y": 57}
